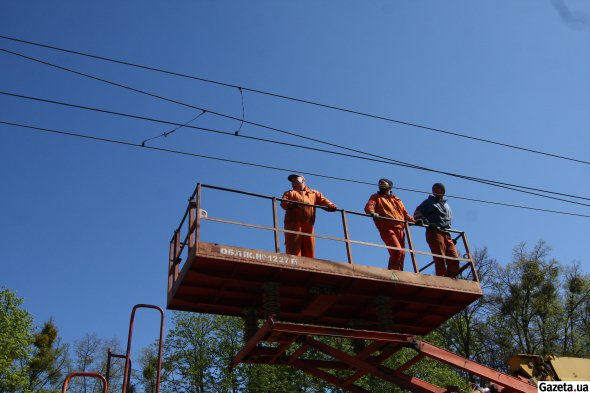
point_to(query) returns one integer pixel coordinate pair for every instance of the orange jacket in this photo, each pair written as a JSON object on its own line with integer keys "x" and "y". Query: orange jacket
{"x": 388, "y": 206}
{"x": 298, "y": 213}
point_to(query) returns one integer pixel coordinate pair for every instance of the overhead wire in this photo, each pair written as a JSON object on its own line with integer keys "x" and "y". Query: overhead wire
{"x": 300, "y": 100}
{"x": 389, "y": 162}
{"x": 495, "y": 183}
{"x": 165, "y": 134}
{"x": 243, "y": 112}
{"x": 286, "y": 170}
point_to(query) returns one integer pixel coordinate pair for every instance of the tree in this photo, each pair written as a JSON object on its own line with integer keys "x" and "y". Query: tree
{"x": 526, "y": 308}
{"x": 198, "y": 352}
{"x": 15, "y": 342}
{"x": 576, "y": 319}
{"x": 190, "y": 353}
{"x": 87, "y": 353}
{"x": 148, "y": 361}
{"x": 117, "y": 366}
{"x": 49, "y": 361}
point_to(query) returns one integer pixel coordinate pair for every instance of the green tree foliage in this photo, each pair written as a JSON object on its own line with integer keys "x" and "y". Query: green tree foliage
{"x": 49, "y": 362}
{"x": 526, "y": 309}
{"x": 148, "y": 363}
{"x": 533, "y": 305}
{"x": 15, "y": 342}
{"x": 190, "y": 353}
{"x": 197, "y": 356}
{"x": 576, "y": 317}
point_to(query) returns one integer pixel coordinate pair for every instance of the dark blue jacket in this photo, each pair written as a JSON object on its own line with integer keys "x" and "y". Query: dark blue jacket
{"x": 436, "y": 211}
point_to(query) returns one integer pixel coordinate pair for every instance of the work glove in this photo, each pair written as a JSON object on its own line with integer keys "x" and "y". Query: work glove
{"x": 419, "y": 221}
{"x": 331, "y": 208}
{"x": 374, "y": 215}
{"x": 292, "y": 205}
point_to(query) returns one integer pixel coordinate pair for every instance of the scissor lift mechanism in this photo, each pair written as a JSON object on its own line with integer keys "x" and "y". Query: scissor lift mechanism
{"x": 286, "y": 344}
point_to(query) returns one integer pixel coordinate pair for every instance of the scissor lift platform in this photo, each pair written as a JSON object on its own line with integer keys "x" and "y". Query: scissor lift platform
{"x": 227, "y": 280}
{"x": 381, "y": 310}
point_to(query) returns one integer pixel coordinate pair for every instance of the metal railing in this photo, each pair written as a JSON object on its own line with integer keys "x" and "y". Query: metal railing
{"x": 127, "y": 370}
{"x": 196, "y": 215}
{"x": 105, "y": 385}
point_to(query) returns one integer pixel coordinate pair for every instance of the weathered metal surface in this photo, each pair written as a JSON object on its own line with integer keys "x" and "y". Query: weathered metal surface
{"x": 297, "y": 342}
{"x": 224, "y": 280}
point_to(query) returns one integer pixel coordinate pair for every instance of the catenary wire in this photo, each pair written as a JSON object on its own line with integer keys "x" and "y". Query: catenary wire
{"x": 165, "y": 134}
{"x": 509, "y": 186}
{"x": 389, "y": 162}
{"x": 287, "y": 170}
{"x": 243, "y": 112}
{"x": 303, "y": 101}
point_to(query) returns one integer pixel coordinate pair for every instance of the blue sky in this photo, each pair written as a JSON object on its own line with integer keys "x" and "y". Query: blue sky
{"x": 85, "y": 225}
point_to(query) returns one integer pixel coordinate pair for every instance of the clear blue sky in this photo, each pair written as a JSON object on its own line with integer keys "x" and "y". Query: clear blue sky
{"x": 85, "y": 225}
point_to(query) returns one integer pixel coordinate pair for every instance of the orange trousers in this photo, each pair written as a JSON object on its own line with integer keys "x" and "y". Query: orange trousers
{"x": 394, "y": 237}
{"x": 442, "y": 244}
{"x": 300, "y": 245}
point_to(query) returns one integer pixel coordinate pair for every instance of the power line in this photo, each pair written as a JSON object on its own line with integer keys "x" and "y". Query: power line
{"x": 165, "y": 134}
{"x": 303, "y": 101}
{"x": 386, "y": 161}
{"x": 509, "y": 186}
{"x": 286, "y": 170}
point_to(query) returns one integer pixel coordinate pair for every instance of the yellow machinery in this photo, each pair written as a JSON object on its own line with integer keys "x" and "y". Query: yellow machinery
{"x": 549, "y": 368}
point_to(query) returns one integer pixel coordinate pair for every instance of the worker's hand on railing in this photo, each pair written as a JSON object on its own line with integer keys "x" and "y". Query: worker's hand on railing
{"x": 374, "y": 215}
{"x": 331, "y": 208}
{"x": 292, "y": 205}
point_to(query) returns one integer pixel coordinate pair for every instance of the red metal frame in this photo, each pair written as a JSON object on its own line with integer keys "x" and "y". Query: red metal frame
{"x": 111, "y": 355}
{"x": 126, "y": 374}
{"x": 105, "y": 385}
{"x": 298, "y": 339}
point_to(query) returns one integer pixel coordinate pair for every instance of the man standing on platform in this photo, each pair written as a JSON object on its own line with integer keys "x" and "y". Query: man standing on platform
{"x": 436, "y": 213}
{"x": 384, "y": 204}
{"x": 300, "y": 217}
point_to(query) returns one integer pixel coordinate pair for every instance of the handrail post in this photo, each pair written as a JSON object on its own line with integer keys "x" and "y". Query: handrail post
{"x": 346, "y": 237}
{"x": 191, "y": 221}
{"x": 108, "y": 372}
{"x": 170, "y": 265}
{"x": 275, "y": 221}
{"x": 176, "y": 253}
{"x": 468, "y": 251}
{"x": 410, "y": 243}
{"x": 198, "y": 217}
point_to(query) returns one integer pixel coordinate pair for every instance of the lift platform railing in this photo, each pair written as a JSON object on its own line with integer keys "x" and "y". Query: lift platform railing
{"x": 196, "y": 214}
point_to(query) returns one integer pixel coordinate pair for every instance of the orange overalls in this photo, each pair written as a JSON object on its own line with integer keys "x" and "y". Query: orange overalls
{"x": 301, "y": 218}
{"x": 391, "y": 232}
{"x": 440, "y": 243}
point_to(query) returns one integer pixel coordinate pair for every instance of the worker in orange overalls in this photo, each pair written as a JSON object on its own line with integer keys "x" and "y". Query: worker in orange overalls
{"x": 435, "y": 213}
{"x": 300, "y": 217}
{"x": 385, "y": 204}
